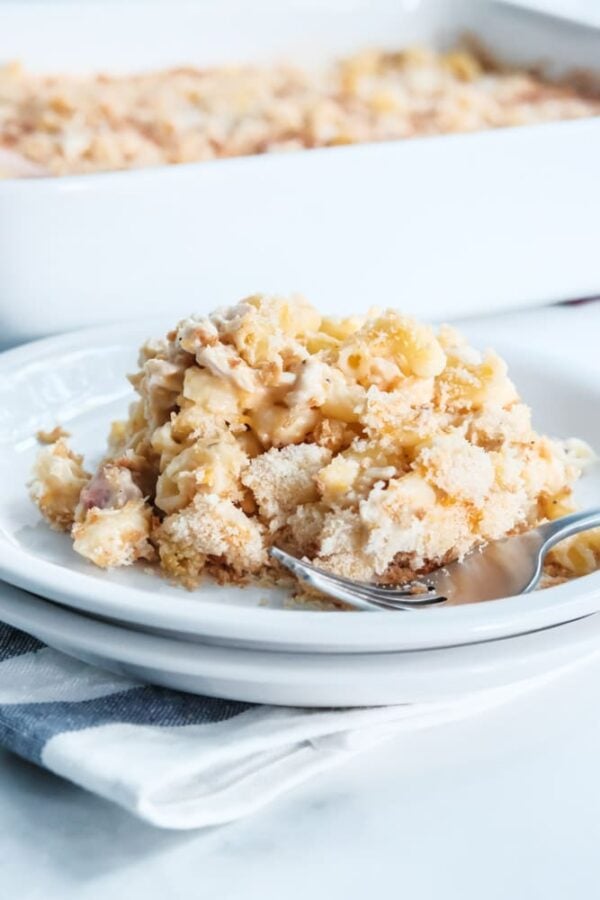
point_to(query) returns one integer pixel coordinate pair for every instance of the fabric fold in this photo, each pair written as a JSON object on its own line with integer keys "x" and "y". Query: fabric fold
{"x": 179, "y": 760}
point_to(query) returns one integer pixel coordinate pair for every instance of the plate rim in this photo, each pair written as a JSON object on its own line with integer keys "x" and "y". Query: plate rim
{"x": 123, "y": 644}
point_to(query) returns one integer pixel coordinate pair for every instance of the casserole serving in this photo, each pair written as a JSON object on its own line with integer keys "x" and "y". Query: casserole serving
{"x": 369, "y": 444}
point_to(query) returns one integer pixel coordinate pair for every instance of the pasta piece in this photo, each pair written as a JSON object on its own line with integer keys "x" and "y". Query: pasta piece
{"x": 58, "y": 479}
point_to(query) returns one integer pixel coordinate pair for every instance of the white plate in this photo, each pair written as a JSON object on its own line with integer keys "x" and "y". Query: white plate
{"x": 78, "y": 380}
{"x": 313, "y": 679}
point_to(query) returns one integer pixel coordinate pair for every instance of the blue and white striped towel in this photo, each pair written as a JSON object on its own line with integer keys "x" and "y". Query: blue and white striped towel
{"x": 174, "y": 759}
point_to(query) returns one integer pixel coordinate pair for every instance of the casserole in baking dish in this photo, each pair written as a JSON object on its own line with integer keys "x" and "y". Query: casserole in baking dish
{"x": 53, "y": 124}
{"x": 444, "y": 226}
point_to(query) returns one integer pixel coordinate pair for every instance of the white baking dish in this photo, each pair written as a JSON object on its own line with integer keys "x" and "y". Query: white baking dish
{"x": 441, "y": 226}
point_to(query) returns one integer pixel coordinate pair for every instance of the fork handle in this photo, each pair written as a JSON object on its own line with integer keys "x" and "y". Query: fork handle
{"x": 556, "y": 531}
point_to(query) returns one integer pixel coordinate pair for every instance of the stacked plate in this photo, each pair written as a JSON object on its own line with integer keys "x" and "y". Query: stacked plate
{"x": 243, "y": 643}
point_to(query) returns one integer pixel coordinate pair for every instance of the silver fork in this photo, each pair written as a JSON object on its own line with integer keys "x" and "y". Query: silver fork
{"x": 500, "y": 569}
{"x": 360, "y": 594}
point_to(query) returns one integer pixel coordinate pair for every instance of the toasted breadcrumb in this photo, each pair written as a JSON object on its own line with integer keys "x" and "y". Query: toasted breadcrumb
{"x": 210, "y": 528}
{"x": 283, "y": 480}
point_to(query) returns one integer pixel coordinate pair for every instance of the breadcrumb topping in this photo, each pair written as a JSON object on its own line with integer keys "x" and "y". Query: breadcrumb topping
{"x": 61, "y": 124}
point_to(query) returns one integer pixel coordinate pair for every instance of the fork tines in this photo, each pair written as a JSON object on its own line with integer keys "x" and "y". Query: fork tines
{"x": 360, "y": 594}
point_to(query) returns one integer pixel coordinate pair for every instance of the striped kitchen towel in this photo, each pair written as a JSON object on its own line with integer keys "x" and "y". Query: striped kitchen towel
{"x": 175, "y": 759}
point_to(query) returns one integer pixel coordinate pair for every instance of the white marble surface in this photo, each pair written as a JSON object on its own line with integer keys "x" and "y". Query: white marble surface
{"x": 504, "y": 805}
